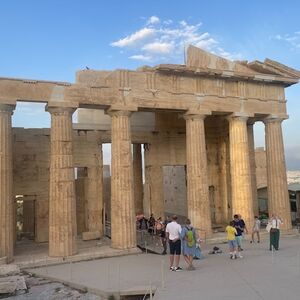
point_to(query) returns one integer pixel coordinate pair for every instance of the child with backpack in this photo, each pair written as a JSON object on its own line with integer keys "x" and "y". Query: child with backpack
{"x": 189, "y": 239}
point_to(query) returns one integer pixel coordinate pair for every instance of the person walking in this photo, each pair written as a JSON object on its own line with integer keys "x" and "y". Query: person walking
{"x": 231, "y": 238}
{"x": 173, "y": 231}
{"x": 189, "y": 239}
{"x": 255, "y": 230}
{"x": 275, "y": 223}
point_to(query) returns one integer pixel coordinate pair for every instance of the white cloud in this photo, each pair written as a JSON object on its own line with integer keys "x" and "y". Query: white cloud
{"x": 291, "y": 39}
{"x": 135, "y": 38}
{"x": 159, "y": 48}
{"x": 153, "y": 20}
{"x": 168, "y": 22}
{"x": 165, "y": 40}
{"x": 141, "y": 57}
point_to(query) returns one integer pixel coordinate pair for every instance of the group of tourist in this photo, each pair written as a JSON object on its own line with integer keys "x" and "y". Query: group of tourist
{"x": 237, "y": 227}
{"x": 184, "y": 239}
{"x": 155, "y": 227}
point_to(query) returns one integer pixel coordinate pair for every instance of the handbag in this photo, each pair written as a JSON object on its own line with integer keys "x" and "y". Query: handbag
{"x": 269, "y": 226}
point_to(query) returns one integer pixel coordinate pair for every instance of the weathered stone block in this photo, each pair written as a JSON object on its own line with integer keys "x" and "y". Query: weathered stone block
{"x": 9, "y": 270}
{"x": 88, "y": 235}
{"x": 9, "y": 285}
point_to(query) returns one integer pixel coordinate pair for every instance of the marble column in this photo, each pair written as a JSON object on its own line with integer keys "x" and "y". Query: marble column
{"x": 94, "y": 195}
{"x": 6, "y": 184}
{"x": 223, "y": 173}
{"x": 154, "y": 182}
{"x": 62, "y": 200}
{"x": 138, "y": 178}
{"x": 240, "y": 169}
{"x": 197, "y": 182}
{"x": 253, "y": 167}
{"x": 278, "y": 198}
{"x": 123, "y": 228}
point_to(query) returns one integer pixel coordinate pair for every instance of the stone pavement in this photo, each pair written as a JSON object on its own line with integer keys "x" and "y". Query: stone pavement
{"x": 259, "y": 275}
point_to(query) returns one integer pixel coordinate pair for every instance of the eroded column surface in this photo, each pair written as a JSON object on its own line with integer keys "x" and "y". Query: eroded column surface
{"x": 223, "y": 174}
{"x": 138, "y": 178}
{"x": 252, "y": 167}
{"x": 197, "y": 182}
{"x": 240, "y": 169}
{"x": 95, "y": 195}
{"x": 278, "y": 198}
{"x": 154, "y": 182}
{"x": 123, "y": 229}
{"x": 62, "y": 200}
{"x": 6, "y": 184}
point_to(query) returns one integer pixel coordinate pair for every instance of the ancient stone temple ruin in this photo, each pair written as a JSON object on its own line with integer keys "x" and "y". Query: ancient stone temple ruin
{"x": 198, "y": 116}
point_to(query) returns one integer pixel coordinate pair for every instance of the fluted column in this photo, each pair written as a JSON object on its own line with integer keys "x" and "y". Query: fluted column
{"x": 95, "y": 194}
{"x": 138, "y": 178}
{"x": 6, "y": 184}
{"x": 223, "y": 170}
{"x": 252, "y": 167}
{"x": 154, "y": 185}
{"x": 278, "y": 198}
{"x": 123, "y": 231}
{"x": 240, "y": 169}
{"x": 197, "y": 182}
{"x": 62, "y": 200}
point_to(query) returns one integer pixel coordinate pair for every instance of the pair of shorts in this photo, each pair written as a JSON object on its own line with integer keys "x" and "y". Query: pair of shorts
{"x": 232, "y": 244}
{"x": 239, "y": 240}
{"x": 175, "y": 247}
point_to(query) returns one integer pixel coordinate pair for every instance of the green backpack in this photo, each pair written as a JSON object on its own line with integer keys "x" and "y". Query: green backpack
{"x": 189, "y": 236}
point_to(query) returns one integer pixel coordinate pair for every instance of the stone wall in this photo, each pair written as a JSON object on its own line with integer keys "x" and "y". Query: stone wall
{"x": 31, "y": 154}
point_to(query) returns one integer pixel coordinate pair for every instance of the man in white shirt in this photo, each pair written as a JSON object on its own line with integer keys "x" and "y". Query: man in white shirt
{"x": 274, "y": 231}
{"x": 173, "y": 231}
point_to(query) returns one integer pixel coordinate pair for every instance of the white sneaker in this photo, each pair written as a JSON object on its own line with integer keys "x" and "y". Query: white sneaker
{"x": 240, "y": 256}
{"x": 233, "y": 256}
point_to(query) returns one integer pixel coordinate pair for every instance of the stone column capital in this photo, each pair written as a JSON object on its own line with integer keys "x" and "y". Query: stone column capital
{"x": 4, "y": 108}
{"x": 119, "y": 113}
{"x": 273, "y": 119}
{"x": 54, "y": 110}
{"x": 251, "y": 122}
{"x": 238, "y": 116}
{"x": 121, "y": 110}
{"x": 194, "y": 116}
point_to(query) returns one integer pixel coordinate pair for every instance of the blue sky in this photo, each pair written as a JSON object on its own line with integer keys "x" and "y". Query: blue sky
{"x": 52, "y": 39}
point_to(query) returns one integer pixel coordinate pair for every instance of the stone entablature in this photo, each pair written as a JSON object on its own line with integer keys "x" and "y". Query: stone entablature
{"x": 164, "y": 87}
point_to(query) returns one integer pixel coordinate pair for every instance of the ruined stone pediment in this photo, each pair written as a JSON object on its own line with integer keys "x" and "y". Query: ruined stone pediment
{"x": 198, "y": 58}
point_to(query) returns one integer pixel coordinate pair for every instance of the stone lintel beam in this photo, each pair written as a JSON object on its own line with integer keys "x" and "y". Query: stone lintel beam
{"x": 278, "y": 198}
{"x": 197, "y": 180}
{"x": 6, "y": 184}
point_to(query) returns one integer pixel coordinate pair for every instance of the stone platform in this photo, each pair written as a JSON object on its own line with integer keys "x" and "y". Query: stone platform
{"x": 29, "y": 254}
{"x": 260, "y": 274}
